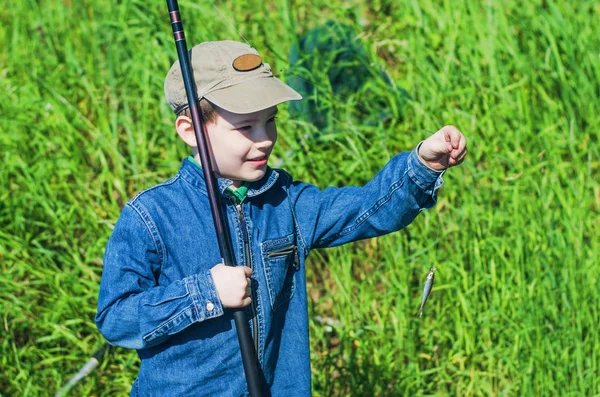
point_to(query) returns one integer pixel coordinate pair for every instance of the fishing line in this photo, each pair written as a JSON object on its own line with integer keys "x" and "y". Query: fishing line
{"x": 230, "y": 22}
{"x": 434, "y": 267}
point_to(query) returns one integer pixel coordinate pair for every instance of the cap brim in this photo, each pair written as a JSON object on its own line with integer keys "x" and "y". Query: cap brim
{"x": 253, "y": 95}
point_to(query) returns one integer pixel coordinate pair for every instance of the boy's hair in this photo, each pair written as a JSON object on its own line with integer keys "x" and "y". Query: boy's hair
{"x": 207, "y": 112}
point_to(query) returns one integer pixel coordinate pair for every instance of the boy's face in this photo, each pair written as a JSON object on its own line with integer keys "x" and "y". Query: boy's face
{"x": 241, "y": 143}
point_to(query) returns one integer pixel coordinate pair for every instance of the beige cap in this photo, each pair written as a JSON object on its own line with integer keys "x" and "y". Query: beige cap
{"x": 232, "y": 76}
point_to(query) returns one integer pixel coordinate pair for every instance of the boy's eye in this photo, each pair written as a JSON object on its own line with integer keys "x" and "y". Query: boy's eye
{"x": 272, "y": 119}
{"x": 245, "y": 128}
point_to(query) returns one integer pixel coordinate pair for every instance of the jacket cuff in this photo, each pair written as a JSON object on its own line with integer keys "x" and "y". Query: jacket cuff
{"x": 428, "y": 179}
{"x": 204, "y": 296}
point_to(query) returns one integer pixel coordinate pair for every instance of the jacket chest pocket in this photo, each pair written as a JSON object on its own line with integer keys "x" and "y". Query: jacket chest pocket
{"x": 280, "y": 262}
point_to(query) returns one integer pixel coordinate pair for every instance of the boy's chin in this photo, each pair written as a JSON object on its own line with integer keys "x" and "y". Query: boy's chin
{"x": 255, "y": 176}
{"x": 248, "y": 177}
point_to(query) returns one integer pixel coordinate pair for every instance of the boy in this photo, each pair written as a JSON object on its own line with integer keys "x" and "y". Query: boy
{"x": 164, "y": 291}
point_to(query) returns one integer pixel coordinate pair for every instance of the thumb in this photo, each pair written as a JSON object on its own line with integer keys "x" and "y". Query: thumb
{"x": 247, "y": 271}
{"x": 440, "y": 146}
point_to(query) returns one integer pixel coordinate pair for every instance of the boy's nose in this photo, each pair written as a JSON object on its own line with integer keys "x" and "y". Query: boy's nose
{"x": 264, "y": 143}
{"x": 262, "y": 137}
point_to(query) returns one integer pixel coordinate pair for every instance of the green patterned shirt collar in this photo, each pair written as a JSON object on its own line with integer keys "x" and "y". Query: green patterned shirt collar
{"x": 238, "y": 194}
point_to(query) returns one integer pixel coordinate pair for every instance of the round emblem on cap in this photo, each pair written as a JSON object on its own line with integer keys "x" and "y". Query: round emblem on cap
{"x": 247, "y": 62}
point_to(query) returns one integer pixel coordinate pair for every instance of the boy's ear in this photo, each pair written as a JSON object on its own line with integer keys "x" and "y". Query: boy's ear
{"x": 185, "y": 129}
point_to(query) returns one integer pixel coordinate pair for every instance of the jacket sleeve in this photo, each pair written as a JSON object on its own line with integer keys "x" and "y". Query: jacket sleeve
{"x": 133, "y": 310}
{"x": 389, "y": 202}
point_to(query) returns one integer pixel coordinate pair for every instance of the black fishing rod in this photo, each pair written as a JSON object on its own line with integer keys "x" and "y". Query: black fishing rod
{"x": 249, "y": 355}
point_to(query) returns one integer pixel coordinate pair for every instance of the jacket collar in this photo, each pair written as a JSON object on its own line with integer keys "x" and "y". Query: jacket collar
{"x": 192, "y": 174}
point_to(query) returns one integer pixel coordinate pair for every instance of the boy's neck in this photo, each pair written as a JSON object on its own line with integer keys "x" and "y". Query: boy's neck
{"x": 235, "y": 184}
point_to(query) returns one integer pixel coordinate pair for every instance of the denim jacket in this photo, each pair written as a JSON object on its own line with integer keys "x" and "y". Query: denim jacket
{"x": 157, "y": 294}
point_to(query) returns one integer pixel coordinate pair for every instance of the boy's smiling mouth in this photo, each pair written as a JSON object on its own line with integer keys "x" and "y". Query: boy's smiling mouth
{"x": 260, "y": 160}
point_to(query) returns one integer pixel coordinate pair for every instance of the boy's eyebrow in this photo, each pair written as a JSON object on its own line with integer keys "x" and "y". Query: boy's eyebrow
{"x": 253, "y": 120}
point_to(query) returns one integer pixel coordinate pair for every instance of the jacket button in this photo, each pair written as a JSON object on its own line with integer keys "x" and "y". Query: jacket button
{"x": 210, "y": 306}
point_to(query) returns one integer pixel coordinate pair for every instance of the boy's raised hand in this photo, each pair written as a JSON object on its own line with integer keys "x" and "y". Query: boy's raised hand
{"x": 444, "y": 149}
{"x": 231, "y": 283}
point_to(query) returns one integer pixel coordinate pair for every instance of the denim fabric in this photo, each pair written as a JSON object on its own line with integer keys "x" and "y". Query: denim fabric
{"x": 157, "y": 294}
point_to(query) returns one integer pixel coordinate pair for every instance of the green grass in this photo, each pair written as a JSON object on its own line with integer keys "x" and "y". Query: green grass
{"x": 515, "y": 308}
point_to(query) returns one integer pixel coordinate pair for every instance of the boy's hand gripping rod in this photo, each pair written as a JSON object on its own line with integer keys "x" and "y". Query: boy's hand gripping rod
{"x": 249, "y": 357}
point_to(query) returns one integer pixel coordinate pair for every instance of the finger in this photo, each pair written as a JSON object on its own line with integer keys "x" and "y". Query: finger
{"x": 457, "y": 160}
{"x": 456, "y": 138}
{"x": 452, "y": 135}
{"x": 434, "y": 148}
{"x": 462, "y": 144}
{"x": 246, "y": 302}
{"x": 247, "y": 271}
{"x": 460, "y": 155}
{"x": 461, "y": 158}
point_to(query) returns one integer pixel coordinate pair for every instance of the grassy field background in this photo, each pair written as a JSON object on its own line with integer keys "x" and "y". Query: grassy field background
{"x": 515, "y": 235}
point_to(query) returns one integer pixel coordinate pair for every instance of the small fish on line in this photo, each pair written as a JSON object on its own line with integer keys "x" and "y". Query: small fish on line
{"x": 426, "y": 291}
